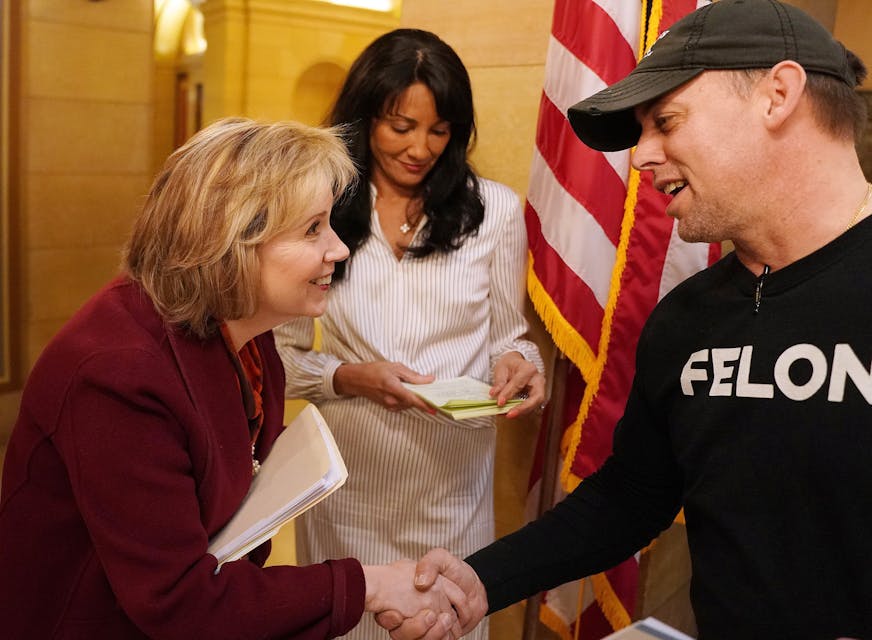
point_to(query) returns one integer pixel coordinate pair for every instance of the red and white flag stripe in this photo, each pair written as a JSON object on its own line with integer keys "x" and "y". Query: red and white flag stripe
{"x": 602, "y": 253}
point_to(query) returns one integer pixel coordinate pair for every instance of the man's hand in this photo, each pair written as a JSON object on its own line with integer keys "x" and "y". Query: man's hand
{"x": 471, "y": 605}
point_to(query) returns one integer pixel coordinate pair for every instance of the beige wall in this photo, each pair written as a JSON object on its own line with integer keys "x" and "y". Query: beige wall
{"x": 271, "y": 59}
{"x": 853, "y": 19}
{"x": 264, "y": 55}
{"x": 822, "y": 10}
{"x": 83, "y": 120}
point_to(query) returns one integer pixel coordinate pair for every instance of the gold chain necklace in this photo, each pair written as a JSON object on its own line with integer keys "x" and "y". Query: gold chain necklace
{"x": 862, "y": 207}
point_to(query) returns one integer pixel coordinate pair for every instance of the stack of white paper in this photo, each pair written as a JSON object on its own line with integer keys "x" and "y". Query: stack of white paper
{"x": 303, "y": 467}
{"x": 648, "y": 629}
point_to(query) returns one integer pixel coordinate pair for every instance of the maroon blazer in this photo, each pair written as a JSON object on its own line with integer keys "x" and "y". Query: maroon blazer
{"x": 130, "y": 451}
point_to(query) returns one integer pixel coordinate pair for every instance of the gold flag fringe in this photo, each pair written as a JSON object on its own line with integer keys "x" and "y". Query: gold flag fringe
{"x": 590, "y": 364}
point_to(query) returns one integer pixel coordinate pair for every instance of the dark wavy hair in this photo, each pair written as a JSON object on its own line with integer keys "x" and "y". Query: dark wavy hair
{"x": 375, "y": 82}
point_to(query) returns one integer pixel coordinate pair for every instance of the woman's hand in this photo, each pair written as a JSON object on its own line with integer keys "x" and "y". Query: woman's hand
{"x": 381, "y": 383}
{"x": 513, "y": 374}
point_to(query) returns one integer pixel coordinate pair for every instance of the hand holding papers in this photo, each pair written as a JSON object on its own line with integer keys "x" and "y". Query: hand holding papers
{"x": 460, "y": 398}
{"x": 303, "y": 467}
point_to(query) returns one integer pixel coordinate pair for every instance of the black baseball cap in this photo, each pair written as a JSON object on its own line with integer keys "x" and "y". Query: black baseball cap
{"x": 729, "y": 34}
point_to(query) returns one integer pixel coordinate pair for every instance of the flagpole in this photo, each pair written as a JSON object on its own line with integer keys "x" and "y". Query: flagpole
{"x": 550, "y": 465}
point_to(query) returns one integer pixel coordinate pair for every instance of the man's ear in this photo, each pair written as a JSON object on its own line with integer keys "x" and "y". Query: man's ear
{"x": 782, "y": 92}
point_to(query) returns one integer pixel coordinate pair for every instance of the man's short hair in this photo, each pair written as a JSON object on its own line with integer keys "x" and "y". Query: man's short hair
{"x": 837, "y": 108}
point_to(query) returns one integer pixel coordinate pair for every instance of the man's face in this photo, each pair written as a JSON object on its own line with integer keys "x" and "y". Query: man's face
{"x": 698, "y": 141}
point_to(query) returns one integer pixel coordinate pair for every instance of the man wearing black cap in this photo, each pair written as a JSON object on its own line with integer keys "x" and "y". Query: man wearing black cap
{"x": 750, "y": 406}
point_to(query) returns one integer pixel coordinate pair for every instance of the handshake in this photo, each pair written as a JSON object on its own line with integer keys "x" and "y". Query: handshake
{"x": 440, "y": 598}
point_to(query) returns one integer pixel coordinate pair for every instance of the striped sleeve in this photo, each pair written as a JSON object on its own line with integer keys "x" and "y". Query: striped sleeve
{"x": 507, "y": 269}
{"x": 308, "y": 373}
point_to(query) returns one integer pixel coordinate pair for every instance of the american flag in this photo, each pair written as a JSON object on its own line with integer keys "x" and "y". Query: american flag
{"x": 602, "y": 253}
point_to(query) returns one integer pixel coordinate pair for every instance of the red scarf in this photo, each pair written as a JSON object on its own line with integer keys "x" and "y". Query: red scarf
{"x": 249, "y": 376}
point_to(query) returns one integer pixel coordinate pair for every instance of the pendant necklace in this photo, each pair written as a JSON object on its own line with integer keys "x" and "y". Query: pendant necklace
{"x": 408, "y": 225}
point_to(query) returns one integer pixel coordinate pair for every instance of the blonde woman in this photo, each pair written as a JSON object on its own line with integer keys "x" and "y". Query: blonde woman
{"x": 144, "y": 420}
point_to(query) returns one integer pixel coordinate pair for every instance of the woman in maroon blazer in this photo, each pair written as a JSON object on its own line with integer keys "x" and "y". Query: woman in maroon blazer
{"x": 142, "y": 422}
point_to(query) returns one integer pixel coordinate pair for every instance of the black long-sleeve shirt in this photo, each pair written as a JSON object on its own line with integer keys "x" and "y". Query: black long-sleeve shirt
{"x": 760, "y": 425}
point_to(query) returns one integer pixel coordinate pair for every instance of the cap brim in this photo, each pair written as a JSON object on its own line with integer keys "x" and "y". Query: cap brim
{"x": 606, "y": 120}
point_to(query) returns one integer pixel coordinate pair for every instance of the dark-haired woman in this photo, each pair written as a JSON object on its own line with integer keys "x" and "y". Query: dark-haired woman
{"x": 434, "y": 288}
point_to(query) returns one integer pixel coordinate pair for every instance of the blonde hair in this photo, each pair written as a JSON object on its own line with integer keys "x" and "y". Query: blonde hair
{"x": 230, "y": 188}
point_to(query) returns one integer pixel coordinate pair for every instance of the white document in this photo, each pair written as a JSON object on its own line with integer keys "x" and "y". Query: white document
{"x": 302, "y": 468}
{"x": 648, "y": 629}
